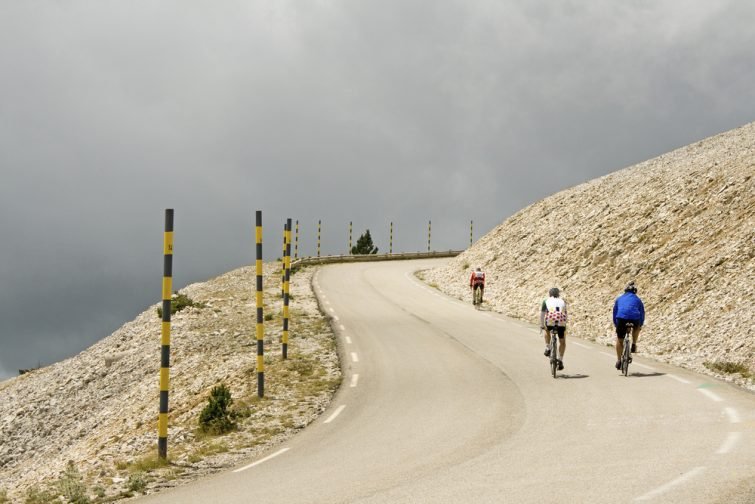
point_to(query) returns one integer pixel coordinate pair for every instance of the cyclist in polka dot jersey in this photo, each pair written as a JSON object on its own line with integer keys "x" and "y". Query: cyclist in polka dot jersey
{"x": 553, "y": 315}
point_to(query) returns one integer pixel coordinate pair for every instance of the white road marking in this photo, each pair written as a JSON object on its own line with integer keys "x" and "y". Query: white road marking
{"x": 731, "y": 440}
{"x": 674, "y": 377}
{"x": 336, "y": 318}
{"x": 643, "y": 366}
{"x": 710, "y": 394}
{"x": 354, "y": 357}
{"x": 608, "y": 354}
{"x": 326, "y": 301}
{"x": 580, "y": 345}
{"x": 354, "y": 380}
{"x": 733, "y": 415}
{"x": 341, "y": 327}
{"x": 668, "y": 486}
{"x": 348, "y": 340}
{"x": 279, "y": 452}
{"x": 331, "y": 310}
{"x": 335, "y": 413}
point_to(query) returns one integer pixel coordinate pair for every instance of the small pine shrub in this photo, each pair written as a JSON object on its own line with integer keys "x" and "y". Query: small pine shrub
{"x": 217, "y": 418}
{"x": 268, "y": 316}
{"x": 178, "y": 302}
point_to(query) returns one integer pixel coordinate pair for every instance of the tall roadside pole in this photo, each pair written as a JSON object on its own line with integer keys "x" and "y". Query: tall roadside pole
{"x": 429, "y": 227}
{"x": 471, "y": 234}
{"x": 283, "y": 260}
{"x": 390, "y": 249}
{"x": 319, "y": 229}
{"x": 162, "y": 422}
{"x": 296, "y": 246}
{"x": 260, "y": 333}
{"x": 349, "y": 250}
{"x": 286, "y": 287}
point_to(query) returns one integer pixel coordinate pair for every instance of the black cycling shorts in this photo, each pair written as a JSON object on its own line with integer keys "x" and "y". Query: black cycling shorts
{"x": 561, "y": 330}
{"x": 621, "y": 326}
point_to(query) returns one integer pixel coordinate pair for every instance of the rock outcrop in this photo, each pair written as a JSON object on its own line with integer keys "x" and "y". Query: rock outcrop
{"x": 681, "y": 225}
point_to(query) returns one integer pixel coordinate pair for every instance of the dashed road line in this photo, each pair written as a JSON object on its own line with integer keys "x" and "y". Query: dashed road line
{"x": 354, "y": 357}
{"x": 613, "y": 356}
{"x": 580, "y": 345}
{"x": 354, "y": 380}
{"x": 348, "y": 340}
{"x": 335, "y": 413}
{"x": 341, "y": 327}
{"x": 331, "y": 310}
{"x": 681, "y": 380}
{"x": 731, "y": 440}
{"x": 710, "y": 394}
{"x": 335, "y": 317}
{"x": 733, "y": 415}
{"x": 671, "y": 484}
{"x": 279, "y": 452}
{"x": 643, "y": 366}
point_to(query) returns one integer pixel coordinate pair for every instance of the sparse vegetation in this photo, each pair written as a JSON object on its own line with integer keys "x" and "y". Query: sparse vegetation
{"x": 216, "y": 418}
{"x": 178, "y": 302}
{"x": 726, "y": 367}
{"x": 36, "y": 495}
{"x": 136, "y": 482}
{"x": 268, "y": 316}
{"x": 465, "y": 266}
{"x": 71, "y": 485}
{"x": 4, "y": 496}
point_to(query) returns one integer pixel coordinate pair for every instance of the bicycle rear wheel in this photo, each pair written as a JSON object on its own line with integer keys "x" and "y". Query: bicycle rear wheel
{"x": 625, "y": 356}
{"x": 554, "y": 353}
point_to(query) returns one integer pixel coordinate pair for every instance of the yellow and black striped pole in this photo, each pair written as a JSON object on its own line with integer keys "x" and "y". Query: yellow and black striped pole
{"x": 319, "y": 229}
{"x": 283, "y": 260}
{"x": 286, "y": 287}
{"x": 349, "y": 251}
{"x": 296, "y": 246}
{"x": 429, "y": 226}
{"x": 390, "y": 250}
{"x": 162, "y": 422}
{"x": 260, "y": 333}
{"x": 471, "y": 234}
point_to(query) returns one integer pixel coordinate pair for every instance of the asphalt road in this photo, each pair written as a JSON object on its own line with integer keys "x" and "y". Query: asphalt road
{"x": 444, "y": 403}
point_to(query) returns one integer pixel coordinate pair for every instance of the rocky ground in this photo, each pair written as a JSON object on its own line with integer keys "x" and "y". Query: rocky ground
{"x": 681, "y": 225}
{"x": 99, "y": 409}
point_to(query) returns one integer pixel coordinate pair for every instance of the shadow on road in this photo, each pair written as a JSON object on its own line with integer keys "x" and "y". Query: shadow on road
{"x": 573, "y": 376}
{"x": 646, "y": 375}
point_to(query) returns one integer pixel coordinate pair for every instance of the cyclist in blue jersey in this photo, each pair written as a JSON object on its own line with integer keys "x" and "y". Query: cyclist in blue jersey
{"x": 627, "y": 308}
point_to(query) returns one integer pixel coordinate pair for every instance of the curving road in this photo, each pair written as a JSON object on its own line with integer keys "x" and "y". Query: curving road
{"x": 443, "y": 403}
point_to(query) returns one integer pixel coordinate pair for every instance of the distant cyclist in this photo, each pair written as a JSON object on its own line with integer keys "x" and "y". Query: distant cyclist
{"x": 477, "y": 279}
{"x": 627, "y": 308}
{"x": 553, "y": 315}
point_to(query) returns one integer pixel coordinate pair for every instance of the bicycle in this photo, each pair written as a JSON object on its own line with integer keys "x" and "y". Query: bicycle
{"x": 477, "y": 296}
{"x": 554, "y": 350}
{"x": 626, "y": 354}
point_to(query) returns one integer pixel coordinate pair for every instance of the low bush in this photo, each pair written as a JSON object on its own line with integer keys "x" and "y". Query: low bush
{"x": 726, "y": 367}
{"x": 178, "y": 302}
{"x": 71, "y": 485}
{"x": 217, "y": 417}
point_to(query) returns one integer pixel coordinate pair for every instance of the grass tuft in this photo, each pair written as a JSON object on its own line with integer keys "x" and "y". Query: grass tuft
{"x": 726, "y": 367}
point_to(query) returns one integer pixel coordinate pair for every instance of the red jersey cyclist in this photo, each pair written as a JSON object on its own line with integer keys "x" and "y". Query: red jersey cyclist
{"x": 477, "y": 279}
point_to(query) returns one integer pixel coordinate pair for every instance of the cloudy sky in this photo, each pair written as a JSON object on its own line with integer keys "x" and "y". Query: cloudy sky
{"x": 369, "y": 111}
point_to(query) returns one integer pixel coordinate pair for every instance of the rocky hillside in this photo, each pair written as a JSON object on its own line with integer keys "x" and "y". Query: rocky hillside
{"x": 681, "y": 225}
{"x": 99, "y": 409}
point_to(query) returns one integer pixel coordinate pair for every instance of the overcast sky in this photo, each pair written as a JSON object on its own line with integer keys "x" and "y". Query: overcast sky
{"x": 369, "y": 111}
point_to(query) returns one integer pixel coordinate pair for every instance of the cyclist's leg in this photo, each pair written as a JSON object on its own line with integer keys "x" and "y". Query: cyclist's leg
{"x": 547, "y": 338}
{"x": 562, "y": 341}
{"x": 619, "y": 339}
{"x": 482, "y": 292}
{"x": 636, "y": 333}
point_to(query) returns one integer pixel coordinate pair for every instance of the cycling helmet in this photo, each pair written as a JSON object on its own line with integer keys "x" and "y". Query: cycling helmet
{"x": 478, "y": 269}
{"x": 631, "y": 287}
{"x": 554, "y": 292}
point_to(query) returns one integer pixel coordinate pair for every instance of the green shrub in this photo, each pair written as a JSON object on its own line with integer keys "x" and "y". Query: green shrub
{"x": 728, "y": 368}
{"x": 268, "y": 316}
{"x": 71, "y": 485}
{"x": 4, "y": 496}
{"x": 35, "y": 495}
{"x": 136, "y": 482}
{"x": 178, "y": 302}
{"x": 216, "y": 417}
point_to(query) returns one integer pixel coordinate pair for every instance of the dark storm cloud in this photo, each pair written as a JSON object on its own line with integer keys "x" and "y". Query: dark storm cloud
{"x": 365, "y": 111}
